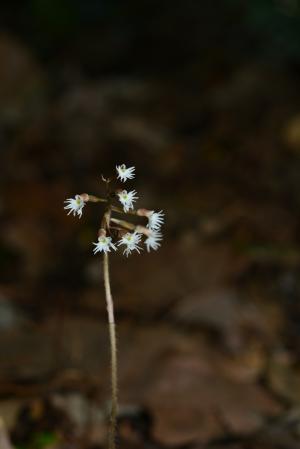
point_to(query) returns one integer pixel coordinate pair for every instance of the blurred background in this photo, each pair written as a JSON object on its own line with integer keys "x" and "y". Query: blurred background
{"x": 203, "y": 99}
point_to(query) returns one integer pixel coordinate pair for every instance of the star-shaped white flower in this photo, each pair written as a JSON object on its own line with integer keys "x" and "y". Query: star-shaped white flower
{"x": 104, "y": 245}
{"x": 155, "y": 220}
{"x": 75, "y": 205}
{"x": 153, "y": 241}
{"x": 127, "y": 199}
{"x": 131, "y": 241}
{"x": 125, "y": 173}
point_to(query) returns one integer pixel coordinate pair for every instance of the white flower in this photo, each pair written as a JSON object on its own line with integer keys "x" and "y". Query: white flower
{"x": 153, "y": 241}
{"x": 155, "y": 220}
{"x": 130, "y": 240}
{"x": 104, "y": 244}
{"x": 125, "y": 173}
{"x": 127, "y": 199}
{"x": 75, "y": 205}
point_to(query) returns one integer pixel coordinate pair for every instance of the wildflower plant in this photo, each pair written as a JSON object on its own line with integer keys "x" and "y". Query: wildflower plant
{"x": 117, "y": 233}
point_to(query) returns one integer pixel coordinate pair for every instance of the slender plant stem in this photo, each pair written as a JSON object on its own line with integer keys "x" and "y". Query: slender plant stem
{"x": 121, "y": 211}
{"x": 113, "y": 348}
{"x": 96, "y": 199}
{"x": 124, "y": 224}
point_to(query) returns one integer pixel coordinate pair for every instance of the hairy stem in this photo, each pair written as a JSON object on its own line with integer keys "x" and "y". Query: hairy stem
{"x": 113, "y": 348}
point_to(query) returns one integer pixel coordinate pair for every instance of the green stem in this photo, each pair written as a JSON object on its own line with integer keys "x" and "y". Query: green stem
{"x": 113, "y": 348}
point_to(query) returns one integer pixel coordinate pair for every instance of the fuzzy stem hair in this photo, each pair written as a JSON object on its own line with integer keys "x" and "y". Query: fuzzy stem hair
{"x": 113, "y": 351}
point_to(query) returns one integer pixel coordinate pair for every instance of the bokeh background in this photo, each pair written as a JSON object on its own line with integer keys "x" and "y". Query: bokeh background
{"x": 203, "y": 98}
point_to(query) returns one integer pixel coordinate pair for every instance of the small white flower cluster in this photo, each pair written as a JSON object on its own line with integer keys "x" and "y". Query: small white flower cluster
{"x": 130, "y": 240}
{"x": 127, "y": 199}
{"x": 104, "y": 245}
{"x": 75, "y": 205}
{"x": 125, "y": 173}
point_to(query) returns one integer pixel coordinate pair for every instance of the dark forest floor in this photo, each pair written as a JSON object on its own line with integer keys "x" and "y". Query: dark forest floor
{"x": 208, "y": 327}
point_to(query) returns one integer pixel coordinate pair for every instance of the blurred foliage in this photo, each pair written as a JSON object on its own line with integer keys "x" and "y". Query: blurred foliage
{"x": 242, "y": 29}
{"x": 275, "y": 25}
{"x": 40, "y": 440}
{"x": 56, "y": 17}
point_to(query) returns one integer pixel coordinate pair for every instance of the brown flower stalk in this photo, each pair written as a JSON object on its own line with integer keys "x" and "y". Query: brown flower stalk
{"x": 130, "y": 236}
